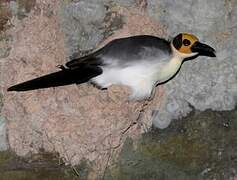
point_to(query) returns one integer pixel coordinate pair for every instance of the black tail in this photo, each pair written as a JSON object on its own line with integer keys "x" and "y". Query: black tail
{"x": 60, "y": 78}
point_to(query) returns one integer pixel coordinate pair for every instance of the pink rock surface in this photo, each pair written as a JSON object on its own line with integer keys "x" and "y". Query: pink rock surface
{"x": 78, "y": 122}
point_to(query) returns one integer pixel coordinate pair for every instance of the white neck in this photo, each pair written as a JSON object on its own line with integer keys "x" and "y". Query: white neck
{"x": 170, "y": 69}
{"x": 172, "y": 66}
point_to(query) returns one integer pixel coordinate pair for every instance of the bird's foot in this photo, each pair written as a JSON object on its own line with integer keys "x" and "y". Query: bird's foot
{"x": 62, "y": 67}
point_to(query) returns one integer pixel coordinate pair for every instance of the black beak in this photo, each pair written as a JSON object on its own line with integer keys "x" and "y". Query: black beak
{"x": 203, "y": 49}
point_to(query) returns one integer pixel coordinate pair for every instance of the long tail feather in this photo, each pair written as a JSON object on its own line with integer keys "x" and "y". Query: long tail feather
{"x": 60, "y": 78}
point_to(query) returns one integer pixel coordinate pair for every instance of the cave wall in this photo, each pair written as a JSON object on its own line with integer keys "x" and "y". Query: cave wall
{"x": 82, "y": 122}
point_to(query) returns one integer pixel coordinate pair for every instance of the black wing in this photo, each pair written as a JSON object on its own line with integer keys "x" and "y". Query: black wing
{"x": 126, "y": 50}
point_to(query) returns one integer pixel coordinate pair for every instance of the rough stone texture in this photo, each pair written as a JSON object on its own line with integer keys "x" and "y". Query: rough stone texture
{"x": 82, "y": 122}
{"x": 5, "y": 45}
{"x": 5, "y": 15}
{"x": 38, "y": 166}
{"x": 202, "y": 146}
{"x": 82, "y": 22}
{"x": 3, "y": 134}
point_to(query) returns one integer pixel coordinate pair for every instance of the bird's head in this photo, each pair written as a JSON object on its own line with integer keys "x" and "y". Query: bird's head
{"x": 187, "y": 46}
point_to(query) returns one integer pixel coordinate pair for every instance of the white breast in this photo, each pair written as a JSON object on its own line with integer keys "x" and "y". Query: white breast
{"x": 141, "y": 78}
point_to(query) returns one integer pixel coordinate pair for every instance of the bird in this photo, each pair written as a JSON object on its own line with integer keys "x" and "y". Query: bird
{"x": 140, "y": 62}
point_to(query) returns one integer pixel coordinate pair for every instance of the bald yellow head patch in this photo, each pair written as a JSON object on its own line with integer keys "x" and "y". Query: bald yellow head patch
{"x": 183, "y": 42}
{"x": 187, "y": 41}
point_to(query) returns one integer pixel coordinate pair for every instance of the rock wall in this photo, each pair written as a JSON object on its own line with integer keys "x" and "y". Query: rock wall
{"x": 82, "y": 122}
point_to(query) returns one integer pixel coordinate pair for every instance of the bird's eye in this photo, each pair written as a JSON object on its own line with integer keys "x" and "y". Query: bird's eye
{"x": 186, "y": 42}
